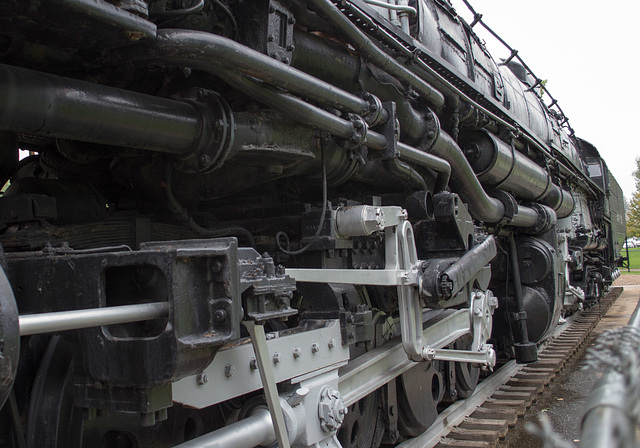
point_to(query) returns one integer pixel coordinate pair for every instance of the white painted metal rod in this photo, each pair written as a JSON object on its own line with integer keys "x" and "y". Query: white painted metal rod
{"x": 73, "y": 320}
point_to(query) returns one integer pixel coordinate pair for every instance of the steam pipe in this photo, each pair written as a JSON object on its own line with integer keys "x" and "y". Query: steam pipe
{"x": 369, "y": 50}
{"x": 440, "y": 166}
{"x": 210, "y": 52}
{"x": 304, "y": 112}
{"x": 332, "y": 62}
{"x": 481, "y": 206}
{"x": 47, "y": 105}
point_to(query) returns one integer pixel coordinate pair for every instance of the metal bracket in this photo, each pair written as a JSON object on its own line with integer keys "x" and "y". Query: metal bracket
{"x": 485, "y": 357}
{"x": 259, "y": 341}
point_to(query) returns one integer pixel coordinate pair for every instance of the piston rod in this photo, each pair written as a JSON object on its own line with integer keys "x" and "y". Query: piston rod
{"x": 73, "y": 320}
{"x": 255, "y": 430}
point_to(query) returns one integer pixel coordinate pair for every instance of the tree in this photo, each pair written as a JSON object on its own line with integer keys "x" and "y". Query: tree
{"x": 633, "y": 214}
{"x": 636, "y": 174}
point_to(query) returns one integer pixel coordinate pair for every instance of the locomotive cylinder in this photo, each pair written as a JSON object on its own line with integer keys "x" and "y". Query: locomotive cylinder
{"x": 502, "y": 167}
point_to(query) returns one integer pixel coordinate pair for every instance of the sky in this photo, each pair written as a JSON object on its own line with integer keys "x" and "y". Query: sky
{"x": 588, "y": 53}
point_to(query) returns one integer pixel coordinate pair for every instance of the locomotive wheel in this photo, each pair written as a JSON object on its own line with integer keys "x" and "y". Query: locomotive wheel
{"x": 466, "y": 375}
{"x": 419, "y": 392}
{"x": 363, "y": 426}
{"x": 53, "y": 421}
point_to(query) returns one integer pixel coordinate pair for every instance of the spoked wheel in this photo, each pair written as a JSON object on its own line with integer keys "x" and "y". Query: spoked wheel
{"x": 466, "y": 375}
{"x": 419, "y": 392}
{"x": 53, "y": 421}
{"x": 363, "y": 426}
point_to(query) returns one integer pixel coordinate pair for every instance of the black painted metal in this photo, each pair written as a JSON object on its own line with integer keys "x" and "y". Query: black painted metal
{"x": 526, "y": 351}
{"x": 52, "y": 106}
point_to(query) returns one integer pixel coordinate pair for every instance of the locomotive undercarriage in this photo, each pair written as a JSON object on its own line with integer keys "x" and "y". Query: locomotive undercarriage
{"x": 263, "y": 227}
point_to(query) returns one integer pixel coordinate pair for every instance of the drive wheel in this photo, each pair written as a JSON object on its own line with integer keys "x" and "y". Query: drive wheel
{"x": 363, "y": 426}
{"x": 53, "y": 421}
{"x": 466, "y": 375}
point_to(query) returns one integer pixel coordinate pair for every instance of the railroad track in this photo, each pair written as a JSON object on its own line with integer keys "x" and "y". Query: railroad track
{"x": 483, "y": 419}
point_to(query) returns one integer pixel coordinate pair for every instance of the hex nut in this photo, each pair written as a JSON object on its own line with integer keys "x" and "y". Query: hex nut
{"x": 229, "y": 370}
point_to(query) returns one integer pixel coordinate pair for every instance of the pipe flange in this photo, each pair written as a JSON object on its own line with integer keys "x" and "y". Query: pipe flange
{"x": 331, "y": 409}
{"x": 509, "y": 202}
{"x": 375, "y": 115}
{"x": 216, "y": 132}
{"x": 546, "y": 219}
{"x": 431, "y": 130}
{"x": 10, "y": 337}
{"x": 360, "y": 128}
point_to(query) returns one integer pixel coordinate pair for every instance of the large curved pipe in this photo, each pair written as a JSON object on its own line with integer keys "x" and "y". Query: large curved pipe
{"x": 210, "y": 52}
{"x": 303, "y": 112}
{"x": 334, "y": 63}
{"x": 481, "y": 206}
{"x": 46, "y": 105}
{"x": 440, "y": 166}
{"x": 369, "y": 50}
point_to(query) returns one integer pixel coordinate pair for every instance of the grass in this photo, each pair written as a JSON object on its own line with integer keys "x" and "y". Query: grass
{"x": 634, "y": 259}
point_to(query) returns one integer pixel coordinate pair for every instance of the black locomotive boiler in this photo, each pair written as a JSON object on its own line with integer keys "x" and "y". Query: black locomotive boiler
{"x": 248, "y": 222}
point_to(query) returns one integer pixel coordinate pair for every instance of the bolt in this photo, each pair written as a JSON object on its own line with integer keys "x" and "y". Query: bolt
{"x": 315, "y": 347}
{"x": 297, "y": 352}
{"x": 276, "y": 357}
{"x": 291, "y": 47}
{"x": 285, "y": 60}
{"x": 332, "y": 343}
{"x": 291, "y": 21}
{"x": 204, "y": 160}
{"x": 216, "y": 266}
{"x": 477, "y": 312}
{"x": 351, "y": 319}
{"x": 253, "y": 364}
{"x": 271, "y": 38}
{"x": 220, "y": 316}
{"x": 351, "y": 335}
{"x": 229, "y": 370}
{"x": 201, "y": 379}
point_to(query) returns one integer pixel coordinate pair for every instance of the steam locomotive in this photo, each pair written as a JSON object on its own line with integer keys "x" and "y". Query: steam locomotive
{"x": 248, "y": 222}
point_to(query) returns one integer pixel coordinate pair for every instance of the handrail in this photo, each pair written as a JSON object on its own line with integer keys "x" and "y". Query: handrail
{"x": 612, "y": 408}
{"x": 477, "y": 18}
